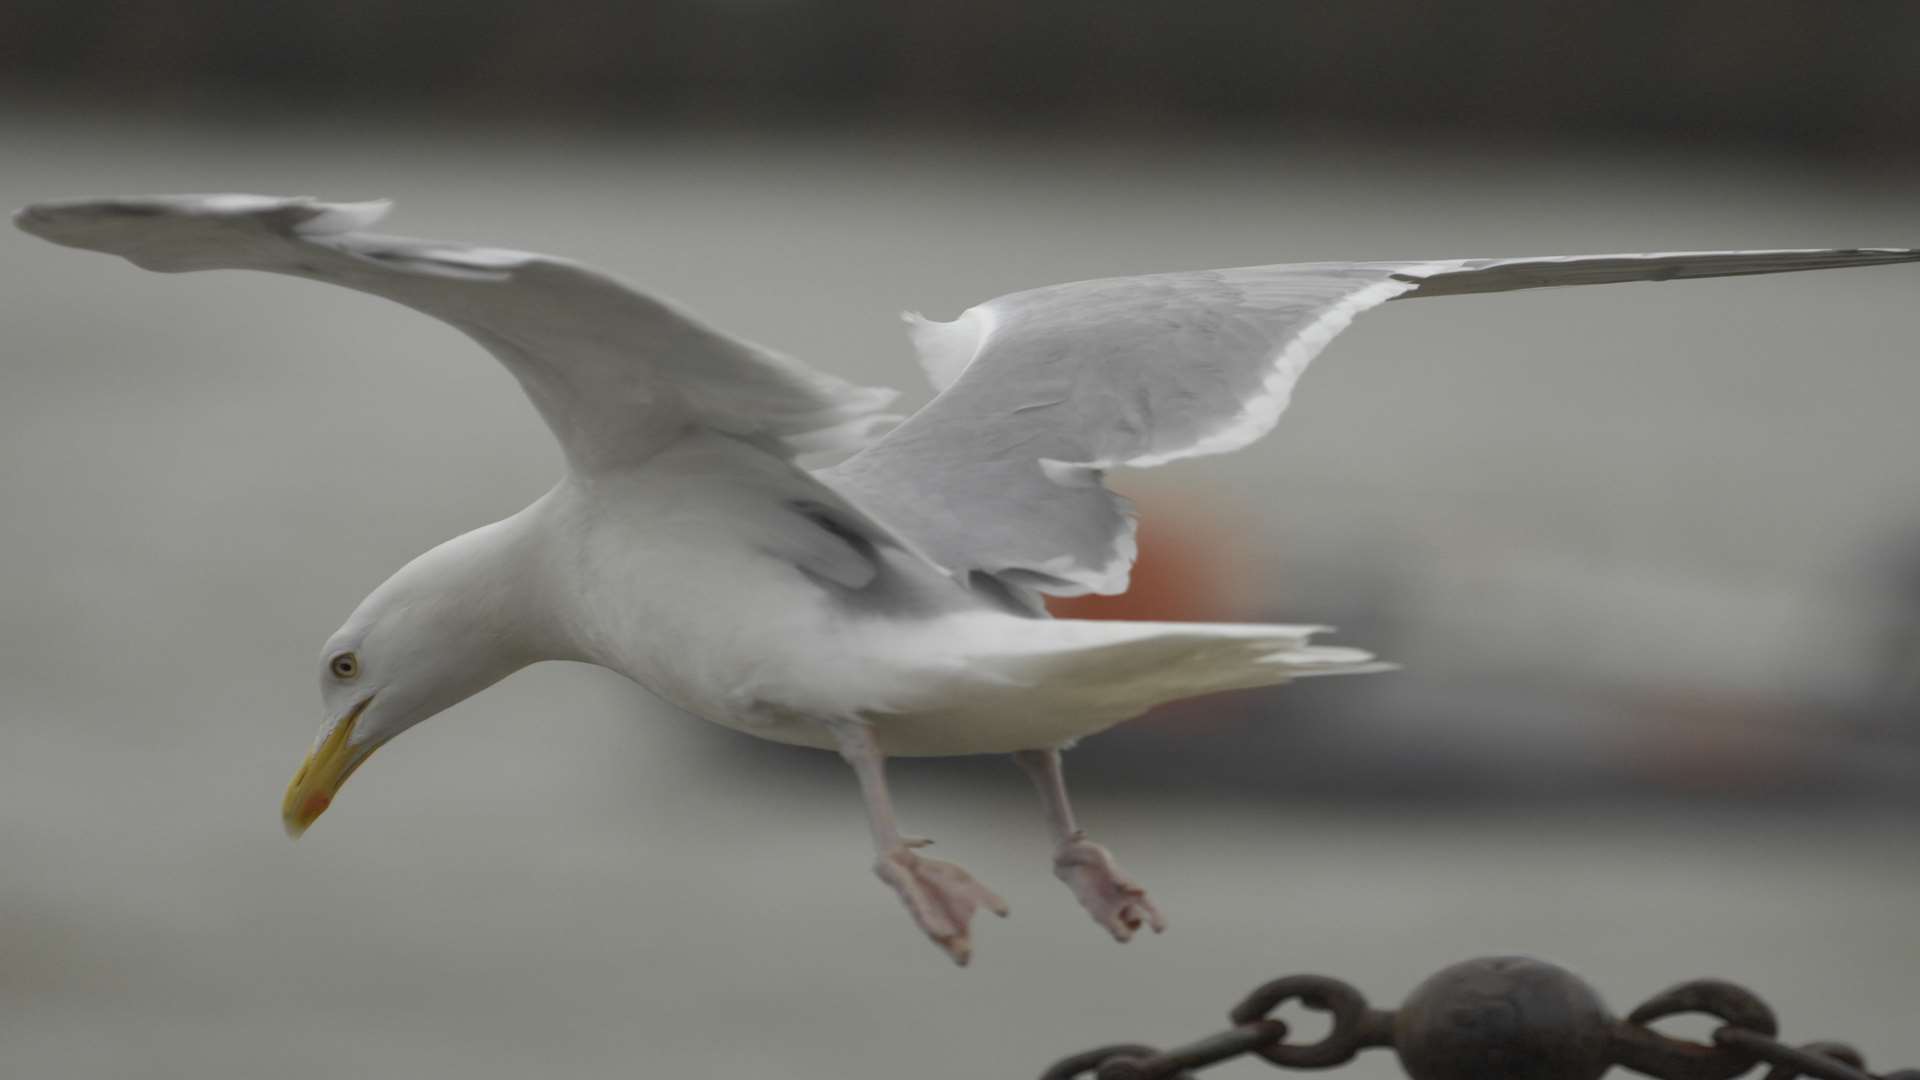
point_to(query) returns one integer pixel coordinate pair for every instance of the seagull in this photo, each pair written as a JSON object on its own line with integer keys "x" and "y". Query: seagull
{"x": 891, "y": 604}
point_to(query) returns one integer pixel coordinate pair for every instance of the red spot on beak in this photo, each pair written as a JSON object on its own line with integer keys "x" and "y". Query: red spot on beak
{"x": 315, "y": 806}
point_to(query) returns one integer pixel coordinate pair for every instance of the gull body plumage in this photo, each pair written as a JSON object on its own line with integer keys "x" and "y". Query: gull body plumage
{"x": 888, "y": 605}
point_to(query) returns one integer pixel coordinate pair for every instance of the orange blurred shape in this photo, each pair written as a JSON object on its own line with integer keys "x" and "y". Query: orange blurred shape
{"x": 1182, "y": 574}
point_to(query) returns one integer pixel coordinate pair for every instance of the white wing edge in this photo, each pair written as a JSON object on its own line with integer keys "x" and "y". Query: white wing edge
{"x": 1260, "y": 413}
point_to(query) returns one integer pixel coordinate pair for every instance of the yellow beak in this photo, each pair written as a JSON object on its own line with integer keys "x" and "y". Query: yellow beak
{"x": 326, "y": 768}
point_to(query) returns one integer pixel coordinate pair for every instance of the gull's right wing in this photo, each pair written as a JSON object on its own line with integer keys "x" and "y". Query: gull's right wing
{"x": 615, "y": 373}
{"x": 1042, "y": 391}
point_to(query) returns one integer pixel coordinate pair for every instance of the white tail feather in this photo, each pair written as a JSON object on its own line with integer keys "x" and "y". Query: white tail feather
{"x": 1000, "y": 683}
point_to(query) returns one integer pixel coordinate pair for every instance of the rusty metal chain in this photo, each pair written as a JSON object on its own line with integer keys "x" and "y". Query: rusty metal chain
{"x": 1499, "y": 1018}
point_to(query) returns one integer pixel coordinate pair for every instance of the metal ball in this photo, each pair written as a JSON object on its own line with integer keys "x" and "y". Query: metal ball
{"x": 1503, "y": 1018}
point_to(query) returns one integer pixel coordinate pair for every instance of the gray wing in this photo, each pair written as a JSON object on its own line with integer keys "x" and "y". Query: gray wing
{"x": 1043, "y": 391}
{"x": 615, "y": 373}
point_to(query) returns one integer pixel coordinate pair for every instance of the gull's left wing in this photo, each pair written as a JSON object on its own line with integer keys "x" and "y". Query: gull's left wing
{"x": 1042, "y": 391}
{"x": 615, "y": 373}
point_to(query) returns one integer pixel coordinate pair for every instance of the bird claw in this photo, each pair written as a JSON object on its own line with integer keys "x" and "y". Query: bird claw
{"x": 940, "y": 896}
{"x": 1114, "y": 900}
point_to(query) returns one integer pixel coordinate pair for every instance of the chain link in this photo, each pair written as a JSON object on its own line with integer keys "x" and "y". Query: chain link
{"x": 1510, "y": 1018}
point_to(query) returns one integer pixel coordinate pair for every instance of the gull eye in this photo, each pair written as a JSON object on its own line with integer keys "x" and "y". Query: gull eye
{"x": 345, "y": 666}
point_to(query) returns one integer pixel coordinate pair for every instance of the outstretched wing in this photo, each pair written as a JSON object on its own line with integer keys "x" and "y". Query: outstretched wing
{"x": 615, "y": 373}
{"x": 1042, "y": 391}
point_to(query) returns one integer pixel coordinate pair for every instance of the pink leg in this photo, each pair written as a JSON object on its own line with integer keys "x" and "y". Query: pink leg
{"x": 940, "y": 896}
{"x": 1110, "y": 896}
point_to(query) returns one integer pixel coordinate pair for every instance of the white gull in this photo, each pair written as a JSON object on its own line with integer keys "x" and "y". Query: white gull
{"x": 889, "y": 605}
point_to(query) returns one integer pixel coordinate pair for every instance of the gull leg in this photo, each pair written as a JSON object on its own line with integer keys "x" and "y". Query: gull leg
{"x": 1113, "y": 899}
{"x": 940, "y": 896}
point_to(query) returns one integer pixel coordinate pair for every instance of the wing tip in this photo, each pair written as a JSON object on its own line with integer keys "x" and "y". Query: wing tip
{"x": 25, "y": 219}
{"x": 1464, "y": 276}
{"x": 155, "y": 230}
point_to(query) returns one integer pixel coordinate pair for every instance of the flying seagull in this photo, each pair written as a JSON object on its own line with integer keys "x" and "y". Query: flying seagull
{"x": 888, "y": 605}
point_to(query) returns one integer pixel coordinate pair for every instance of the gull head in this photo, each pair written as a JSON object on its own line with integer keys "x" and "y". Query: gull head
{"x": 447, "y": 626}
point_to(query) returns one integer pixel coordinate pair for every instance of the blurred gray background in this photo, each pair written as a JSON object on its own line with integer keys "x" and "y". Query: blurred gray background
{"x": 1650, "y": 554}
